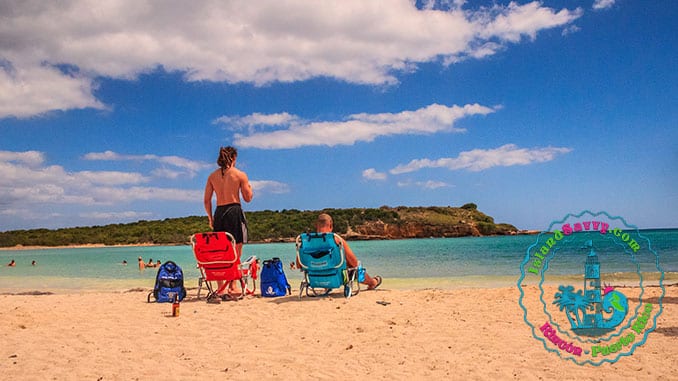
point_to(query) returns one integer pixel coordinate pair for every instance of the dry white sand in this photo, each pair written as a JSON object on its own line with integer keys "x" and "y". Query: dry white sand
{"x": 462, "y": 334}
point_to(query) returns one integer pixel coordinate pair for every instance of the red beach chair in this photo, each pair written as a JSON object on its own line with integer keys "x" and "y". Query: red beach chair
{"x": 250, "y": 269}
{"x": 218, "y": 262}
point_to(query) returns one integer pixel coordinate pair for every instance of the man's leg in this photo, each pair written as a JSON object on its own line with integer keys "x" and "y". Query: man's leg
{"x": 232, "y": 289}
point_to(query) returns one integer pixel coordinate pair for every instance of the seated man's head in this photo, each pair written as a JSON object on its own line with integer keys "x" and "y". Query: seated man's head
{"x": 323, "y": 223}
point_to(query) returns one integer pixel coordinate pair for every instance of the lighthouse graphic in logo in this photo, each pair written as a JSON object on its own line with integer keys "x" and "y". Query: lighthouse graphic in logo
{"x": 597, "y": 310}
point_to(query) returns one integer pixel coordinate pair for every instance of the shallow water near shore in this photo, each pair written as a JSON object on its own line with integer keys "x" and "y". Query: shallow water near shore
{"x": 404, "y": 264}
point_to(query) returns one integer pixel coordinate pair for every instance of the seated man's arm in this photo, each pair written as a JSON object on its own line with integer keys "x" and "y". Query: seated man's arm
{"x": 351, "y": 259}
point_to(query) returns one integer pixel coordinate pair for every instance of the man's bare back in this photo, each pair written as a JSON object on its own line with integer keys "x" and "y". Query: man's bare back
{"x": 228, "y": 186}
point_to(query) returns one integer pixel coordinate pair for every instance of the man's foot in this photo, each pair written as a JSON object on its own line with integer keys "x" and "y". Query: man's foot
{"x": 378, "y": 279}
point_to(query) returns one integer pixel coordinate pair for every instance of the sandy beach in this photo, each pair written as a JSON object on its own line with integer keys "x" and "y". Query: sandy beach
{"x": 385, "y": 334}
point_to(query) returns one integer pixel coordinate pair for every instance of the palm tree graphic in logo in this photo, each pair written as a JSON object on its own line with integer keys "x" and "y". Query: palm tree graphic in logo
{"x": 584, "y": 309}
{"x": 572, "y": 302}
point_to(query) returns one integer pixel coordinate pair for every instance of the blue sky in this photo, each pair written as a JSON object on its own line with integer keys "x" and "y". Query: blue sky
{"x": 113, "y": 112}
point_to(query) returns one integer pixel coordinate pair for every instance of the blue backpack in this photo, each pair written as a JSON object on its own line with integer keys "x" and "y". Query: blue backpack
{"x": 273, "y": 280}
{"x": 169, "y": 284}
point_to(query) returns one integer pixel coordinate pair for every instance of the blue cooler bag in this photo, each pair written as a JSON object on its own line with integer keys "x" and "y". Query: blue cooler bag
{"x": 273, "y": 280}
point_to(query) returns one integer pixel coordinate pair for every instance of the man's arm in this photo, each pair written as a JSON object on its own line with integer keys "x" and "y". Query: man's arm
{"x": 246, "y": 188}
{"x": 351, "y": 259}
{"x": 207, "y": 200}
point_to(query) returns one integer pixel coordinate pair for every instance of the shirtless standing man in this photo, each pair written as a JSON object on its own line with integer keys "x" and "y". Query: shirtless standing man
{"x": 228, "y": 183}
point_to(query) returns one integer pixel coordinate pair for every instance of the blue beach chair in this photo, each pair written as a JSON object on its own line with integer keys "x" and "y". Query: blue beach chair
{"x": 323, "y": 262}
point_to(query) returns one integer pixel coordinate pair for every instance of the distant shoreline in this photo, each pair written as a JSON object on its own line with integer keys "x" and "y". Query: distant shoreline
{"x": 265, "y": 241}
{"x": 83, "y": 246}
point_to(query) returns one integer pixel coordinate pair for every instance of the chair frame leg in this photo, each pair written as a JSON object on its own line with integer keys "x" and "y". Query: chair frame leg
{"x": 200, "y": 282}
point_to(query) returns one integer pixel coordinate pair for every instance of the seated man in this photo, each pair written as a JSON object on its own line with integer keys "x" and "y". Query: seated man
{"x": 324, "y": 224}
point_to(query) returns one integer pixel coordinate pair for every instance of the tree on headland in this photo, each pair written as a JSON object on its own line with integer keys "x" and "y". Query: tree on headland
{"x": 470, "y": 206}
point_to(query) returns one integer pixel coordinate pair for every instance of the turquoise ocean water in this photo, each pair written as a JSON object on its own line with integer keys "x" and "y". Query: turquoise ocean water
{"x": 412, "y": 263}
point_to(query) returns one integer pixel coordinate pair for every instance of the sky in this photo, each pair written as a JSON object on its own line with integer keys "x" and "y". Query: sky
{"x": 114, "y": 112}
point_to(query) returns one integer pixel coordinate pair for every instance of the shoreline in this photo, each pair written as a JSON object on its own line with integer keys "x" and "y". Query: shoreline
{"x": 348, "y": 237}
{"x": 74, "y": 286}
{"x": 81, "y": 246}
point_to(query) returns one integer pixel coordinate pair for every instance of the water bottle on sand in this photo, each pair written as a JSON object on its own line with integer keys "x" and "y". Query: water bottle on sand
{"x": 175, "y": 305}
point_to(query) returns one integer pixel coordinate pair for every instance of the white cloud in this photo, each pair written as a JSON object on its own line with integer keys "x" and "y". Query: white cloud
{"x": 570, "y": 30}
{"x": 269, "y": 186}
{"x": 190, "y": 167}
{"x": 257, "y": 119}
{"x": 479, "y": 159}
{"x": 41, "y": 194}
{"x": 25, "y": 179}
{"x": 363, "y": 127}
{"x": 372, "y": 174}
{"x": 30, "y": 158}
{"x": 47, "y": 65}
{"x": 107, "y": 155}
{"x": 115, "y": 195}
{"x": 430, "y": 184}
{"x": 165, "y": 173}
{"x": 109, "y": 177}
{"x": 31, "y": 190}
{"x": 29, "y": 214}
{"x": 53, "y": 184}
{"x": 514, "y": 21}
{"x": 116, "y": 216}
{"x": 33, "y": 90}
{"x": 603, "y": 4}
